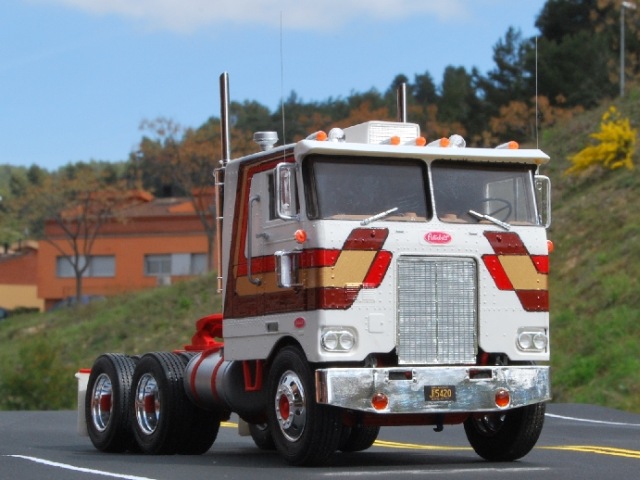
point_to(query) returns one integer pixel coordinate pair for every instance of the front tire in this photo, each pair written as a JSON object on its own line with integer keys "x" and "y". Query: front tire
{"x": 304, "y": 432}
{"x": 505, "y": 436}
{"x": 108, "y": 401}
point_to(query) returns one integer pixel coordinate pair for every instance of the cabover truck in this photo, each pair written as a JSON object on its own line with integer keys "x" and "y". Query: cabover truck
{"x": 368, "y": 278}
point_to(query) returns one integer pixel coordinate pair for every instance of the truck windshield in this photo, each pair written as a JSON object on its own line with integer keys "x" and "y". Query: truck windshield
{"x": 501, "y": 191}
{"x": 359, "y": 188}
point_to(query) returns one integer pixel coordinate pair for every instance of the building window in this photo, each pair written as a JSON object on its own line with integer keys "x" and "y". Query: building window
{"x": 99, "y": 266}
{"x": 175, "y": 264}
{"x": 155, "y": 265}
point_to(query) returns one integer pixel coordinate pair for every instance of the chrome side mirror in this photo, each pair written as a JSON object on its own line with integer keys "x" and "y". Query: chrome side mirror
{"x": 288, "y": 269}
{"x": 286, "y": 191}
{"x": 543, "y": 199}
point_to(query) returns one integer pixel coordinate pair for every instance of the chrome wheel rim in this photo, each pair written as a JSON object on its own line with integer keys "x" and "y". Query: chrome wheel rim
{"x": 147, "y": 404}
{"x": 291, "y": 406}
{"x": 101, "y": 402}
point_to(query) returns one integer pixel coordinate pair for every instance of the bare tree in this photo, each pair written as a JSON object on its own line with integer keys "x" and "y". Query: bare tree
{"x": 73, "y": 205}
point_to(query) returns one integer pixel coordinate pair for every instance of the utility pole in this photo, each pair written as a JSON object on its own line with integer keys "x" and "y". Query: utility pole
{"x": 631, "y": 6}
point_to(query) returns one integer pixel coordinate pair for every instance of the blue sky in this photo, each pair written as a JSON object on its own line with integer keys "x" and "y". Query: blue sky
{"x": 77, "y": 77}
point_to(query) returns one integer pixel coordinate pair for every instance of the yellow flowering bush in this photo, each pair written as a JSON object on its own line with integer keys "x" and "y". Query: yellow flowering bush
{"x": 617, "y": 144}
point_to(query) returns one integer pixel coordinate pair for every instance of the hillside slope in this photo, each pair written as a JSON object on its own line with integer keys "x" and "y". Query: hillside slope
{"x": 595, "y": 299}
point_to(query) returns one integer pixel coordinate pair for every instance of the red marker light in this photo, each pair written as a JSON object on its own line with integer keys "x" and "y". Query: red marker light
{"x": 380, "y": 401}
{"x": 503, "y": 398}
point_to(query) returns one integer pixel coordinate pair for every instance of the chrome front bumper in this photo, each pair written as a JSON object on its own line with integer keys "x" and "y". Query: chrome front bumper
{"x": 407, "y": 389}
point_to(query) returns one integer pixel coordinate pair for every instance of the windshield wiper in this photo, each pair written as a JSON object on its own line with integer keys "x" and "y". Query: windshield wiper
{"x": 378, "y": 216}
{"x": 491, "y": 219}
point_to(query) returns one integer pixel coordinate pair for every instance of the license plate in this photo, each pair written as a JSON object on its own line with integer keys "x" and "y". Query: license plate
{"x": 439, "y": 393}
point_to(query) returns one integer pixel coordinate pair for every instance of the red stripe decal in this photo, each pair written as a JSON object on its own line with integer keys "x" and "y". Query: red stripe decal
{"x": 506, "y": 243}
{"x": 497, "y": 272}
{"x": 378, "y": 270}
{"x": 541, "y": 262}
{"x": 534, "y": 300}
{"x": 366, "y": 239}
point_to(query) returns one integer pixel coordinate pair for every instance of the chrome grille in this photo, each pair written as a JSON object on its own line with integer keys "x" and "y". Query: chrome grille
{"x": 437, "y": 314}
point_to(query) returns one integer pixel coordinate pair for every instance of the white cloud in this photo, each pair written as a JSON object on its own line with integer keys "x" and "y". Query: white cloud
{"x": 190, "y": 15}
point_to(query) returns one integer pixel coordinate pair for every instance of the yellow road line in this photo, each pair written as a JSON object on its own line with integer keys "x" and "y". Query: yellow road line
{"x": 616, "y": 452}
{"x": 599, "y": 450}
{"x": 413, "y": 446}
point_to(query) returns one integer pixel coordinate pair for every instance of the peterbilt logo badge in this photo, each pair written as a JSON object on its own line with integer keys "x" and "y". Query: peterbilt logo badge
{"x": 438, "y": 238}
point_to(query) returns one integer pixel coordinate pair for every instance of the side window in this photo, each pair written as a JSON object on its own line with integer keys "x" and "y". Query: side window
{"x": 271, "y": 181}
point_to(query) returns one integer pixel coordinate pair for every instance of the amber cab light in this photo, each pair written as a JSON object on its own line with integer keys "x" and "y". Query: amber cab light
{"x": 300, "y": 236}
{"x": 550, "y": 246}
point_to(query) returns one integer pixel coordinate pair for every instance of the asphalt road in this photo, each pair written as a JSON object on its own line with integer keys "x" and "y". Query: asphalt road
{"x": 578, "y": 442}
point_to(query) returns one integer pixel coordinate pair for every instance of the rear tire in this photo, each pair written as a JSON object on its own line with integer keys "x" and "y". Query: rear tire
{"x": 108, "y": 401}
{"x": 358, "y": 438}
{"x": 261, "y": 435}
{"x": 304, "y": 432}
{"x": 157, "y": 403}
{"x": 505, "y": 436}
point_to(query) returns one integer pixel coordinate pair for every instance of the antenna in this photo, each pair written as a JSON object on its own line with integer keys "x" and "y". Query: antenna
{"x": 537, "y": 113}
{"x": 284, "y": 136}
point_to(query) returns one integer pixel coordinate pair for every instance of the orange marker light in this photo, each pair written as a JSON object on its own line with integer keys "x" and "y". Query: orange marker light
{"x": 421, "y": 141}
{"x": 513, "y": 145}
{"x": 395, "y": 140}
{"x": 444, "y": 142}
{"x": 321, "y": 136}
{"x": 550, "y": 246}
{"x": 300, "y": 236}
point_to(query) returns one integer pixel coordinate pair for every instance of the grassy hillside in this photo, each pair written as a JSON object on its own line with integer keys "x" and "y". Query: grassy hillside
{"x": 595, "y": 299}
{"x": 595, "y": 295}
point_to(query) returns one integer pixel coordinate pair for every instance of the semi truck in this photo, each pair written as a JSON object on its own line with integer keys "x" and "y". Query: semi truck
{"x": 368, "y": 278}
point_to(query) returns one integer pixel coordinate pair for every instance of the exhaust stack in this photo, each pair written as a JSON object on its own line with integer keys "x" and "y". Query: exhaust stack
{"x": 224, "y": 118}
{"x": 402, "y": 102}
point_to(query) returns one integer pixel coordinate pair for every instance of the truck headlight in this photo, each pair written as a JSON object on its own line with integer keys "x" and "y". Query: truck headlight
{"x": 532, "y": 339}
{"x": 338, "y": 339}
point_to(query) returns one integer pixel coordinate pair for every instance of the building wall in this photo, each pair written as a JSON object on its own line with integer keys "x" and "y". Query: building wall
{"x": 129, "y": 243}
{"x": 18, "y": 280}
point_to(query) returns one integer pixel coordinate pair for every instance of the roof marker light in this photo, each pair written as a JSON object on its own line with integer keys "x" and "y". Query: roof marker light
{"x": 319, "y": 136}
{"x": 395, "y": 140}
{"x": 441, "y": 142}
{"x": 421, "y": 141}
{"x": 512, "y": 145}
